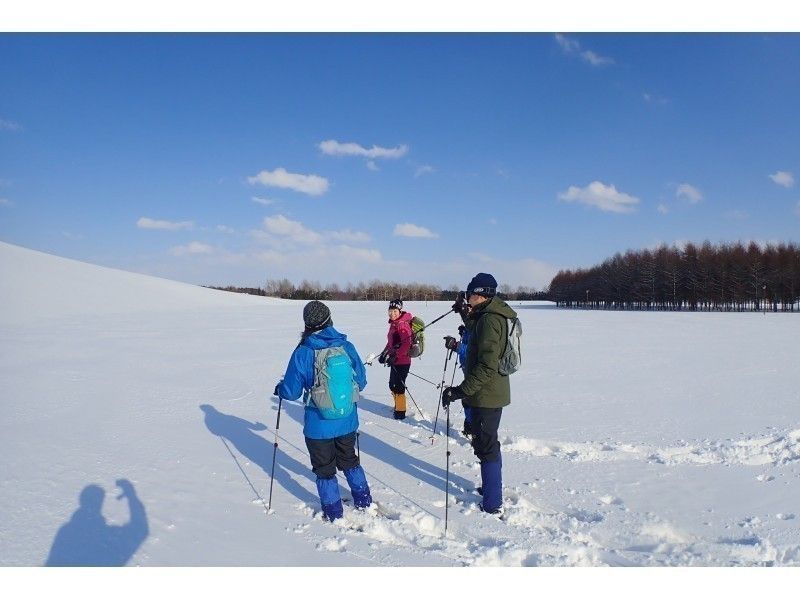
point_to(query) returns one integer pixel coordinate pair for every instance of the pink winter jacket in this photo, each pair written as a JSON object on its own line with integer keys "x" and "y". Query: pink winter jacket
{"x": 400, "y": 334}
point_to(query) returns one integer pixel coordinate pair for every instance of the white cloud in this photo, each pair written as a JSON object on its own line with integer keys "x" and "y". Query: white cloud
{"x": 310, "y": 184}
{"x": 349, "y": 236}
{"x": 688, "y": 193}
{"x": 6, "y": 202}
{"x": 425, "y": 169}
{"x": 412, "y": 230}
{"x": 655, "y": 99}
{"x": 570, "y": 46}
{"x": 595, "y": 59}
{"x": 8, "y": 125}
{"x": 356, "y": 254}
{"x": 283, "y": 227}
{"x": 225, "y": 229}
{"x": 602, "y": 197}
{"x": 573, "y": 47}
{"x": 783, "y": 178}
{"x": 331, "y": 147}
{"x": 493, "y": 221}
{"x": 663, "y": 209}
{"x": 149, "y": 223}
{"x": 193, "y": 248}
{"x": 372, "y": 166}
{"x": 264, "y": 201}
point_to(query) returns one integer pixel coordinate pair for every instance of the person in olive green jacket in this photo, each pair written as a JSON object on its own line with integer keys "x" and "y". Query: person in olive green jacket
{"x": 484, "y": 390}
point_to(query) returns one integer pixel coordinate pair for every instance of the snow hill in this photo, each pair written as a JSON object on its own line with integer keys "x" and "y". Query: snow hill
{"x": 632, "y": 438}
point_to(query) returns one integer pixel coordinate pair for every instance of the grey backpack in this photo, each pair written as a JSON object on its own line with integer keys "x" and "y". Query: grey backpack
{"x": 511, "y": 359}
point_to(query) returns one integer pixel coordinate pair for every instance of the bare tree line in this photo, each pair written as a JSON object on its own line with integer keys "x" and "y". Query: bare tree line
{"x": 727, "y": 277}
{"x": 378, "y": 290}
{"x": 374, "y": 290}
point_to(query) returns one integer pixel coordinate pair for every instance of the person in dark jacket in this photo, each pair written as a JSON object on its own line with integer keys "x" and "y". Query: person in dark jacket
{"x": 330, "y": 442}
{"x": 484, "y": 390}
{"x": 396, "y": 354}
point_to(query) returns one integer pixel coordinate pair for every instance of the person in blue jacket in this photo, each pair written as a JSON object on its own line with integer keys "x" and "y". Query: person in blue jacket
{"x": 330, "y": 442}
{"x": 462, "y": 308}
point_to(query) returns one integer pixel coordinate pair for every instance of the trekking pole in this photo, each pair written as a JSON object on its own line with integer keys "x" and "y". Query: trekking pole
{"x": 412, "y": 399}
{"x": 441, "y": 390}
{"x": 447, "y": 478}
{"x": 415, "y": 405}
{"x": 425, "y": 379}
{"x": 436, "y": 320}
{"x": 358, "y": 445}
{"x": 274, "y": 452}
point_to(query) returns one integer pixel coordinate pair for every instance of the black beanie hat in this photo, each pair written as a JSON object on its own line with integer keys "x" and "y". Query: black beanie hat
{"x": 482, "y": 284}
{"x": 316, "y": 315}
{"x": 396, "y": 304}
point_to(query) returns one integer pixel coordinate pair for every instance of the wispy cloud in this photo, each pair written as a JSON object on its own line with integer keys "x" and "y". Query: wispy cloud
{"x": 493, "y": 221}
{"x": 7, "y": 203}
{"x": 225, "y": 229}
{"x": 72, "y": 236}
{"x": 572, "y": 47}
{"x": 601, "y": 196}
{"x": 688, "y": 193}
{"x": 423, "y": 170}
{"x": 193, "y": 248}
{"x": 783, "y": 178}
{"x": 663, "y": 209}
{"x": 292, "y": 229}
{"x": 310, "y": 184}
{"x": 331, "y": 147}
{"x": 797, "y": 209}
{"x": 372, "y": 166}
{"x": 149, "y": 223}
{"x": 654, "y": 99}
{"x": 9, "y": 125}
{"x": 350, "y": 236}
{"x": 264, "y": 201}
{"x": 412, "y": 230}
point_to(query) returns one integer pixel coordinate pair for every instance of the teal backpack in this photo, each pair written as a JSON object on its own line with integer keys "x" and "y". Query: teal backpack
{"x": 335, "y": 390}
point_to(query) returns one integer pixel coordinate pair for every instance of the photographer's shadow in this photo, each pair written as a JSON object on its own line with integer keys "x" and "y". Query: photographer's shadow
{"x": 241, "y": 434}
{"x": 86, "y": 540}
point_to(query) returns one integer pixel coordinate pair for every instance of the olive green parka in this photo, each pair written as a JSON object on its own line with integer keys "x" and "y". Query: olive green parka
{"x": 483, "y": 385}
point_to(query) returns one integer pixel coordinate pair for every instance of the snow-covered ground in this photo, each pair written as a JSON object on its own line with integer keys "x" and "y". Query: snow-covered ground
{"x": 632, "y": 438}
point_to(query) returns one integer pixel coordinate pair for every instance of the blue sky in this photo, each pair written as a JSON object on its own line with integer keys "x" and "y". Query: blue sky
{"x": 234, "y": 158}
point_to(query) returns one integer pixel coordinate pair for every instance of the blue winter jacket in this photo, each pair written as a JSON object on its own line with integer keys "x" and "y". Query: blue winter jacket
{"x": 299, "y": 378}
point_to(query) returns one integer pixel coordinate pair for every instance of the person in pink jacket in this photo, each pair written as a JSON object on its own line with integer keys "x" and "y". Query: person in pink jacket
{"x": 395, "y": 354}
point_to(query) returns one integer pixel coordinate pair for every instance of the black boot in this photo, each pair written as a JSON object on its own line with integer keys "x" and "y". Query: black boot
{"x": 399, "y": 414}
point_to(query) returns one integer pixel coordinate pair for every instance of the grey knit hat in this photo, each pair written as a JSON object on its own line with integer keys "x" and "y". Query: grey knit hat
{"x": 316, "y": 315}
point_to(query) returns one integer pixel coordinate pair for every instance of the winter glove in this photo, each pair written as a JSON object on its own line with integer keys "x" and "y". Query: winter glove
{"x": 450, "y": 394}
{"x": 277, "y": 389}
{"x": 451, "y": 343}
{"x": 382, "y": 357}
{"x": 461, "y": 300}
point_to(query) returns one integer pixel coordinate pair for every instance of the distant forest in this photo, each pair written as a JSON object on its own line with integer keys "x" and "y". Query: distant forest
{"x": 727, "y": 277}
{"x": 375, "y": 290}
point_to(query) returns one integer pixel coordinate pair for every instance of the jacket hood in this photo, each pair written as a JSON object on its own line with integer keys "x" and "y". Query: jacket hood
{"x": 497, "y": 306}
{"x": 404, "y": 317}
{"x": 327, "y": 337}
